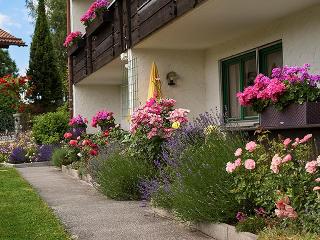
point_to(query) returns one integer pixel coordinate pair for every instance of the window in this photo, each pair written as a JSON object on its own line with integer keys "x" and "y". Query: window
{"x": 240, "y": 72}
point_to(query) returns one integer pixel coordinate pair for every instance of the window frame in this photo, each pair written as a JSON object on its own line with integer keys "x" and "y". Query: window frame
{"x": 260, "y": 54}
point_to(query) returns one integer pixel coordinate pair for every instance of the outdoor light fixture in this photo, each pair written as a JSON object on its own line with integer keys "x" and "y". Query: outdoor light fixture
{"x": 172, "y": 78}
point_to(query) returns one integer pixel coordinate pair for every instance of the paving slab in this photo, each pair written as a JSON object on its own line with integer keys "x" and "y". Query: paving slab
{"x": 89, "y": 215}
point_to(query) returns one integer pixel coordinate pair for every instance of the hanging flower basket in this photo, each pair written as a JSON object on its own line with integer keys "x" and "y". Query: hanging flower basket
{"x": 294, "y": 115}
{"x": 76, "y": 47}
{"x": 100, "y": 20}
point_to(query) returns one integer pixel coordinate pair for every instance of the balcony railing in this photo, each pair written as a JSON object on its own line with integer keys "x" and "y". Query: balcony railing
{"x": 126, "y": 23}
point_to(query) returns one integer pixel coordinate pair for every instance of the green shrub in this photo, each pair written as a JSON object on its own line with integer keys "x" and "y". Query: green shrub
{"x": 59, "y": 157}
{"x": 120, "y": 176}
{"x": 49, "y": 128}
{"x": 286, "y": 233}
{"x": 252, "y": 224}
{"x": 201, "y": 190}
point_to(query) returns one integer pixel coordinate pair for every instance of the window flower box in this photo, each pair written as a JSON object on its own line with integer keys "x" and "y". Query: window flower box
{"x": 76, "y": 47}
{"x": 100, "y": 20}
{"x": 294, "y": 115}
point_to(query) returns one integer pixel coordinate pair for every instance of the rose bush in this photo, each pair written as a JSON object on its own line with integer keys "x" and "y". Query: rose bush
{"x": 280, "y": 176}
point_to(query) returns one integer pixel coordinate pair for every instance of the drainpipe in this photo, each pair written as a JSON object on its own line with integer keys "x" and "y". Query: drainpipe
{"x": 70, "y": 82}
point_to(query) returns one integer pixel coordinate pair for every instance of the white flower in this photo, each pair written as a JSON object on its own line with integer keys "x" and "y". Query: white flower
{"x": 79, "y": 155}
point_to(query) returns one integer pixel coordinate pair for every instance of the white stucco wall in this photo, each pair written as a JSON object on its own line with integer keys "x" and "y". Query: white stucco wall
{"x": 88, "y": 99}
{"x": 78, "y": 8}
{"x": 189, "y": 92}
{"x": 300, "y": 34}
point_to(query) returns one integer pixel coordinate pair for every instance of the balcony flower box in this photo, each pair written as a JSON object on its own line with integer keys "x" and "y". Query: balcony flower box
{"x": 289, "y": 99}
{"x": 294, "y": 115}
{"x": 76, "y": 47}
{"x": 101, "y": 20}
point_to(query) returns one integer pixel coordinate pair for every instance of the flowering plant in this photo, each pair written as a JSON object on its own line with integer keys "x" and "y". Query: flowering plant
{"x": 11, "y": 91}
{"x": 158, "y": 118}
{"x": 104, "y": 119}
{"x": 280, "y": 176}
{"x": 78, "y": 122}
{"x": 287, "y": 85}
{"x": 96, "y": 8}
{"x": 72, "y": 38}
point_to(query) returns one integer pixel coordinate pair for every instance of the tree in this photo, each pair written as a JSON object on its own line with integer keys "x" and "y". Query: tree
{"x": 43, "y": 71}
{"x": 7, "y": 65}
{"x": 57, "y": 20}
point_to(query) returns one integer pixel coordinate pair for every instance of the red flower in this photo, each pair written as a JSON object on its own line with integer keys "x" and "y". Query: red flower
{"x": 73, "y": 142}
{"x": 86, "y": 142}
{"x": 93, "y": 152}
{"x": 106, "y": 133}
{"x": 67, "y": 135}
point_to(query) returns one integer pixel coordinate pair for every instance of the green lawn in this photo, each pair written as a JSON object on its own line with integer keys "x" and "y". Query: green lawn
{"x": 23, "y": 215}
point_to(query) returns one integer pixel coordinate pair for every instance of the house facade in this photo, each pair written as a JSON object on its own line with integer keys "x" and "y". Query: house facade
{"x": 206, "y": 51}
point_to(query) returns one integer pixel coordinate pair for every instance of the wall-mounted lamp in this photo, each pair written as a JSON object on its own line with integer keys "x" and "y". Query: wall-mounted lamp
{"x": 172, "y": 78}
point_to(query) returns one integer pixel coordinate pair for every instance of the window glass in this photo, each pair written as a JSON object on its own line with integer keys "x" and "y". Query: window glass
{"x": 234, "y": 88}
{"x": 273, "y": 60}
{"x": 250, "y": 73}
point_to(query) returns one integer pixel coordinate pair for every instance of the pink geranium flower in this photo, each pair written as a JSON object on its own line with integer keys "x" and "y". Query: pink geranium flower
{"x": 251, "y": 146}
{"x": 306, "y": 138}
{"x": 316, "y": 188}
{"x": 317, "y": 180}
{"x": 250, "y": 164}
{"x": 287, "y": 141}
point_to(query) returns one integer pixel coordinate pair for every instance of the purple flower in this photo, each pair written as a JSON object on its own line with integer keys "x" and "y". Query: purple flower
{"x": 17, "y": 156}
{"x": 241, "y": 216}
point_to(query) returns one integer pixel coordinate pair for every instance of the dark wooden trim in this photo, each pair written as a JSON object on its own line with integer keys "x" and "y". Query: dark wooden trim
{"x": 126, "y": 23}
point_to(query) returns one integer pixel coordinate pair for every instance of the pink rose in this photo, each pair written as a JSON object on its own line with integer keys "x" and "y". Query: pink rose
{"x": 250, "y": 164}
{"x": 287, "y": 158}
{"x": 251, "y": 146}
{"x": 67, "y": 135}
{"x": 317, "y": 188}
{"x": 311, "y": 167}
{"x": 237, "y": 163}
{"x": 230, "y": 167}
{"x": 287, "y": 141}
{"x": 238, "y": 152}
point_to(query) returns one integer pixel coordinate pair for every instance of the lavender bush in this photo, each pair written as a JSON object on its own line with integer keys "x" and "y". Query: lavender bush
{"x": 17, "y": 156}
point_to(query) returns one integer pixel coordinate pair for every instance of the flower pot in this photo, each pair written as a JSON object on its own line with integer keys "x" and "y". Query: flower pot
{"x": 76, "y": 47}
{"x": 294, "y": 115}
{"x": 100, "y": 20}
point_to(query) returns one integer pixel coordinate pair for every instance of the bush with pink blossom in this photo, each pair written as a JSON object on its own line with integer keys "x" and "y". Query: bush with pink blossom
{"x": 281, "y": 176}
{"x": 287, "y": 85}
{"x": 72, "y": 38}
{"x": 156, "y": 118}
{"x": 103, "y": 119}
{"x": 97, "y": 7}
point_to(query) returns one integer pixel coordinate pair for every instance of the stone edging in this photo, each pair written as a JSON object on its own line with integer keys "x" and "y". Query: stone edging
{"x": 219, "y": 231}
{"x": 75, "y": 174}
{"x": 24, "y": 165}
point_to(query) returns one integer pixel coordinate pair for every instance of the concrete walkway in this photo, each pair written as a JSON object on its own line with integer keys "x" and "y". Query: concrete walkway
{"x": 88, "y": 215}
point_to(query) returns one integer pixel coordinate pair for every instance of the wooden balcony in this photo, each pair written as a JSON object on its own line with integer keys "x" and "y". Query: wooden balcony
{"x": 126, "y": 23}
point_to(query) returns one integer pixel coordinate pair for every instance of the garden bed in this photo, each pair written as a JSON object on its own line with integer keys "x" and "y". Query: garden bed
{"x": 219, "y": 231}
